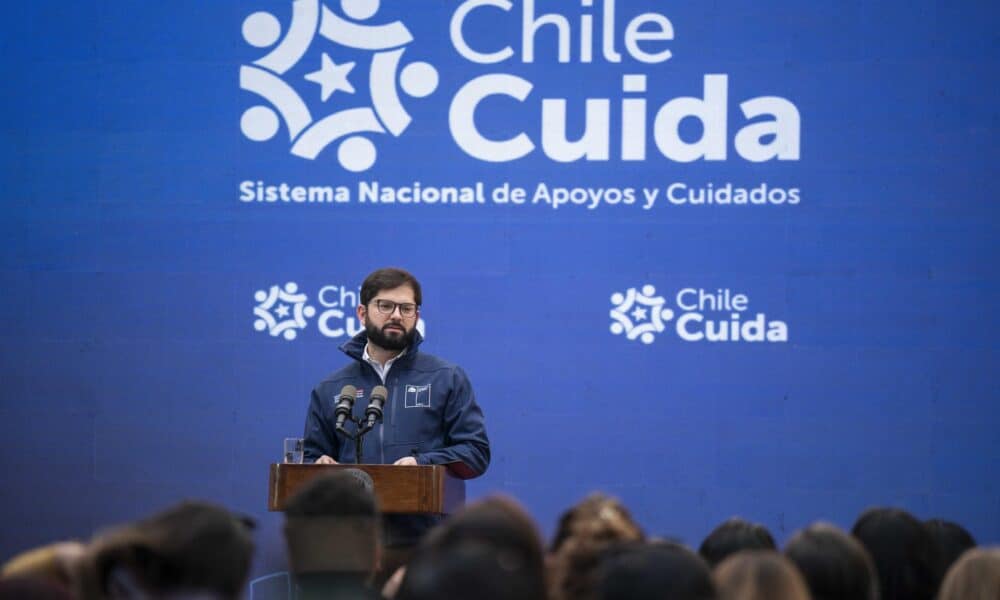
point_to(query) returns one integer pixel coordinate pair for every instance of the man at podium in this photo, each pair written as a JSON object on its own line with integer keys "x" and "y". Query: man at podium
{"x": 430, "y": 415}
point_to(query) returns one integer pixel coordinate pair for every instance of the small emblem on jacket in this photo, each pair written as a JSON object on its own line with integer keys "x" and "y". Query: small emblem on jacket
{"x": 417, "y": 396}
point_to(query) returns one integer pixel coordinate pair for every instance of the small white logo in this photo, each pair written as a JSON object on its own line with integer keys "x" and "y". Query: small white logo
{"x": 709, "y": 315}
{"x": 639, "y": 314}
{"x": 284, "y": 310}
{"x": 417, "y": 396}
{"x": 309, "y": 135}
{"x": 281, "y": 311}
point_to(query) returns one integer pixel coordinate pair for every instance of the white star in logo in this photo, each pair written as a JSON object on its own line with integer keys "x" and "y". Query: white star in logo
{"x": 332, "y": 77}
{"x": 639, "y": 313}
{"x": 282, "y": 310}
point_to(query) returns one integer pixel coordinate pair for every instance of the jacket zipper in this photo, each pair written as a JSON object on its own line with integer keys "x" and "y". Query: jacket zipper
{"x": 381, "y": 445}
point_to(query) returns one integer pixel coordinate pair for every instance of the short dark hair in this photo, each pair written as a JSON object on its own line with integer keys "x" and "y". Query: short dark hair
{"x": 332, "y": 525}
{"x": 903, "y": 551}
{"x": 502, "y": 524}
{"x": 337, "y": 494}
{"x": 472, "y": 568}
{"x": 952, "y": 541}
{"x": 656, "y": 570}
{"x": 733, "y": 535}
{"x": 834, "y": 564}
{"x": 387, "y": 279}
{"x": 497, "y": 520}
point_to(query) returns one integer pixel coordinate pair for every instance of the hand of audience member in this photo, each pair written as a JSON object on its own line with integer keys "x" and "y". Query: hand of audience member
{"x": 326, "y": 460}
{"x": 406, "y": 461}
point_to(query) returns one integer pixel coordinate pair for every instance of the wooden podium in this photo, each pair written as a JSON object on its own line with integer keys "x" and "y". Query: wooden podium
{"x": 410, "y": 489}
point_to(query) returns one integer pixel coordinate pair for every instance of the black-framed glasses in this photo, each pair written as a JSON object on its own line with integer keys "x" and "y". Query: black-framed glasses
{"x": 386, "y": 307}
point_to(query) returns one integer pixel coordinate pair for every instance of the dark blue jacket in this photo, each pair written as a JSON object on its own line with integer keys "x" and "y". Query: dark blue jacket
{"x": 430, "y": 414}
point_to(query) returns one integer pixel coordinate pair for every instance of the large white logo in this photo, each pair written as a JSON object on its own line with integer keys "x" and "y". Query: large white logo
{"x": 702, "y": 315}
{"x": 309, "y": 135}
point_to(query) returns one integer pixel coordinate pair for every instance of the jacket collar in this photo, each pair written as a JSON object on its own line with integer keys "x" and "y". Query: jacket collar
{"x": 355, "y": 347}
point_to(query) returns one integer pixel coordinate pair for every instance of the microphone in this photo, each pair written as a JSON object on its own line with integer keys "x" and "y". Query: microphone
{"x": 345, "y": 404}
{"x": 374, "y": 411}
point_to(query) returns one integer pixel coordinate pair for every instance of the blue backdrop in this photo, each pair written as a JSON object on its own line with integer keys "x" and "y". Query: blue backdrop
{"x": 610, "y": 193}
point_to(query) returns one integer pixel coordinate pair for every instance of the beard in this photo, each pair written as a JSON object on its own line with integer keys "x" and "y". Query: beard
{"x": 389, "y": 341}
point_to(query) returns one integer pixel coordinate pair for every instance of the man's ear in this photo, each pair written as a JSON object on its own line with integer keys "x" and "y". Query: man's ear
{"x": 361, "y": 309}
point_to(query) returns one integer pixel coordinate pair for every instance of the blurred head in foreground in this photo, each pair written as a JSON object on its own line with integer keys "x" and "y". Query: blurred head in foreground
{"x": 975, "y": 576}
{"x": 192, "y": 550}
{"x": 834, "y": 564}
{"x": 489, "y": 551}
{"x": 732, "y": 536}
{"x": 951, "y": 540}
{"x": 759, "y": 575}
{"x": 653, "y": 571}
{"x": 584, "y": 532}
{"x": 903, "y": 551}
{"x": 54, "y": 563}
{"x": 332, "y": 525}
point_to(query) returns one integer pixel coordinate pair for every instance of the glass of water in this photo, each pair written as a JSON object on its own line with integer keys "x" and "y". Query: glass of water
{"x": 293, "y": 450}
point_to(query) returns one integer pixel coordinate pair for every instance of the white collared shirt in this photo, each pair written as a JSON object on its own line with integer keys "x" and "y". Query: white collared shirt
{"x": 382, "y": 370}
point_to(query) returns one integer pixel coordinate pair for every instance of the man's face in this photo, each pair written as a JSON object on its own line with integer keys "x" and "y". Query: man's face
{"x": 391, "y": 330}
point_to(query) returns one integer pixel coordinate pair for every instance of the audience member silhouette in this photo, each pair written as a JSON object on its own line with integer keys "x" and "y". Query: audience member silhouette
{"x": 490, "y": 551}
{"x": 974, "y": 576}
{"x": 585, "y": 531}
{"x": 469, "y": 569}
{"x": 903, "y": 552}
{"x": 653, "y": 571}
{"x": 732, "y": 536}
{"x": 192, "y": 549}
{"x": 834, "y": 565}
{"x": 951, "y": 540}
{"x": 332, "y": 534}
{"x": 759, "y": 575}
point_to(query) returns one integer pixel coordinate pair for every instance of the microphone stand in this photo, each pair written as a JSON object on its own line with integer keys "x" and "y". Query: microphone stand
{"x": 361, "y": 431}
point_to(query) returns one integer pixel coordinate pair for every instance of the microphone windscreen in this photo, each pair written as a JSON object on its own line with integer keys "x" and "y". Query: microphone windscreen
{"x": 349, "y": 391}
{"x": 379, "y": 393}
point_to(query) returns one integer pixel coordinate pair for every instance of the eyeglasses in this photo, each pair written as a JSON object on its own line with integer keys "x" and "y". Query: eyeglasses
{"x": 386, "y": 307}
